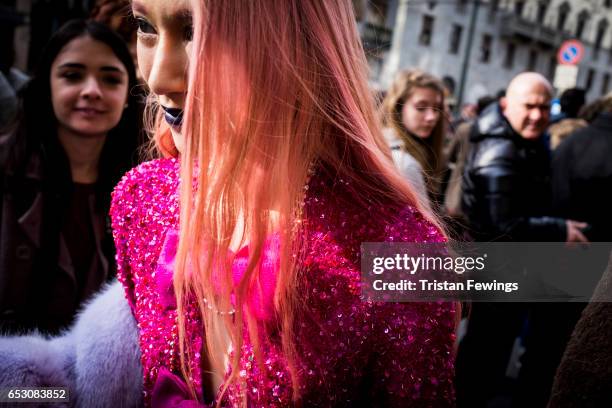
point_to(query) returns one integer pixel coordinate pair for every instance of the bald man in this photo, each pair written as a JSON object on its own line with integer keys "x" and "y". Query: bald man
{"x": 506, "y": 197}
{"x": 526, "y": 105}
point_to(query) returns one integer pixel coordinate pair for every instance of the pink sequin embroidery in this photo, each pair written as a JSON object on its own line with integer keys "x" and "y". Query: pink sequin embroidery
{"x": 350, "y": 352}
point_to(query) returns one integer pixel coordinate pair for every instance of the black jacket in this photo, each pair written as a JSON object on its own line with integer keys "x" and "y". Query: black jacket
{"x": 38, "y": 283}
{"x": 582, "y": 177}
{"x": 584, "y": 378}
{"x": 506, "y": 184}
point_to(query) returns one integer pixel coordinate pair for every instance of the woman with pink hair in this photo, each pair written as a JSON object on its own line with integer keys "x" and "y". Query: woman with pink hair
{"x": 239, "y": 250}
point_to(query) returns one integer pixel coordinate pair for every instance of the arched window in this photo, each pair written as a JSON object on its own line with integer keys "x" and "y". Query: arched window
{"x": 602, "y": 27}
{"x": 519, "y": 6}
{"x": 542, "y": 7}
{"x": 564, "y": 11}
{"x": 583, "y": 18}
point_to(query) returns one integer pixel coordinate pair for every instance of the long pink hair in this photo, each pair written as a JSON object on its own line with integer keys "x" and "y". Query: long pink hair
{"x": 274, "y": 87}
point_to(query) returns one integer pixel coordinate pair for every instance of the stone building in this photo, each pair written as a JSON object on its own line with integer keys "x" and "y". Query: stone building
{"x": 509, "y": 36}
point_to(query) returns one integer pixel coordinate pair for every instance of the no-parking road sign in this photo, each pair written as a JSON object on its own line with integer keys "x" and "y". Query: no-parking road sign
{"x": 570, "y": 52}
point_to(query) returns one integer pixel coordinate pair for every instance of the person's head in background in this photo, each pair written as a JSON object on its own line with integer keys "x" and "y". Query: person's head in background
{"x": 483, "y": 102}
{"x": 414, "y": 109}
{"x": 590, "y": 111}
{"x": 526, "y": 105}
{"x": 572, "y": 100}
{"x": 79, "y": 101}
{"x": 469, "y": 111}
{"x": 116, "y": 14}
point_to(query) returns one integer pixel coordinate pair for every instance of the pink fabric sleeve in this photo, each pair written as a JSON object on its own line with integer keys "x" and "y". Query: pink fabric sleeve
{"x": 414, "y": 354}
{"x": 121, "y": 218}
{"x": 414, "y": 342}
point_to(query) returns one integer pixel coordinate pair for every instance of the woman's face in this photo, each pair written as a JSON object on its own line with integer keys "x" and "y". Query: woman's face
{"x": 89, "y": 87}
{"x": 422, "y": 111}
{"x": 164, "y": 39}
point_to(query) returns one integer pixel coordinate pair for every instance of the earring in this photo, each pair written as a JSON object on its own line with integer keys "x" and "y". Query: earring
{"x": 125, "y": 106}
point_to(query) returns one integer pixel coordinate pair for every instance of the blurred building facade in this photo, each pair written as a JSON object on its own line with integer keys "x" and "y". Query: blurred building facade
{"x": 509, "y": 36}
{"x": 40, "y": 19}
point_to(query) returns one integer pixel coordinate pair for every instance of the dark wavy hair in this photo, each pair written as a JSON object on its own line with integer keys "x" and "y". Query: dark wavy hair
{"x": 33, "y": 138}
{"x": 36, "y": 129}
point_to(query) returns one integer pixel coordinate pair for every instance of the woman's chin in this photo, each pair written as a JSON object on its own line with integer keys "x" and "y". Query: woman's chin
{"x": 177, "y": 137}
{"x": 423, "y": 134}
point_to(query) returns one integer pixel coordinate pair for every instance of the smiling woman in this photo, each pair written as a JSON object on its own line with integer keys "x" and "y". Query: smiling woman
{"x": 77, "y": 134}
{"x": 88, "y": 89}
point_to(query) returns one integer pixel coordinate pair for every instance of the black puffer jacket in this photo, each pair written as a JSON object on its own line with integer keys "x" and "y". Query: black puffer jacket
{"x": 506, "y": 184}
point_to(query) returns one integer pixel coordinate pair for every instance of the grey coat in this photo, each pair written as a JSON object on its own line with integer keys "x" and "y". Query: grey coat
{"x": 97, "y": 359}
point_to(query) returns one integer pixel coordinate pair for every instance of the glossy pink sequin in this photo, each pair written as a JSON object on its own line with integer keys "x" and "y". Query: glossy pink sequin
{"x": 349, "y": 352}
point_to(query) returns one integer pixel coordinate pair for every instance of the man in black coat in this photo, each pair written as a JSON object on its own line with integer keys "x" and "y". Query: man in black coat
{"x": 507, "y": 190}
{"x": 582, "y": 176}
{"x": 506, "y": 197}
{"x": 582, "y": 189}
{"x": 584, "y": 376}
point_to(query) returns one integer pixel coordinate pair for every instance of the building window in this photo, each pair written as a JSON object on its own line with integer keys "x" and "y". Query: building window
{"x": 605, "y": 84}
{"x": 589, "y": 79}
{"x": 583, "y": 17}
{"x": 461, "y": 5}
{"x": 542, "y": 7}
{"x": 602, "y": 27}
{"x": 564, "y": 11}
{"x": 552, "y": 66}
{"x": 493, "y": 6}
{"x": 485, "y": 48}
{"x": 455, "y": 39}
{"x": 509, "y": 58}
{"x": 532, "y": 61}
{"x": 519, "y": 6}
{"x": 426, "y": 30}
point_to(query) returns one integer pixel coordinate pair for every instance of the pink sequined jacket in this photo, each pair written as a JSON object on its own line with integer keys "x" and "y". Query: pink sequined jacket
{"x": 350, "y": 352}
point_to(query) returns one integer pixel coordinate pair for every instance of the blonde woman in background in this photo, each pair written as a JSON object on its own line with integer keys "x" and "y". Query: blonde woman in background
{"x": 413, "y": 117}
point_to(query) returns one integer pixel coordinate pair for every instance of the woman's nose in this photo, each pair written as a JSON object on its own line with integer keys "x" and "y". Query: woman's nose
{"x": 91, "y": 88}
{"x": 168, "y": 70}
{"x": 431, "y": 115}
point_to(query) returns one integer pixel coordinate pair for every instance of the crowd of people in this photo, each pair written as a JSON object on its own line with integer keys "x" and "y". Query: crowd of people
{"x": 224, "y": 267}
